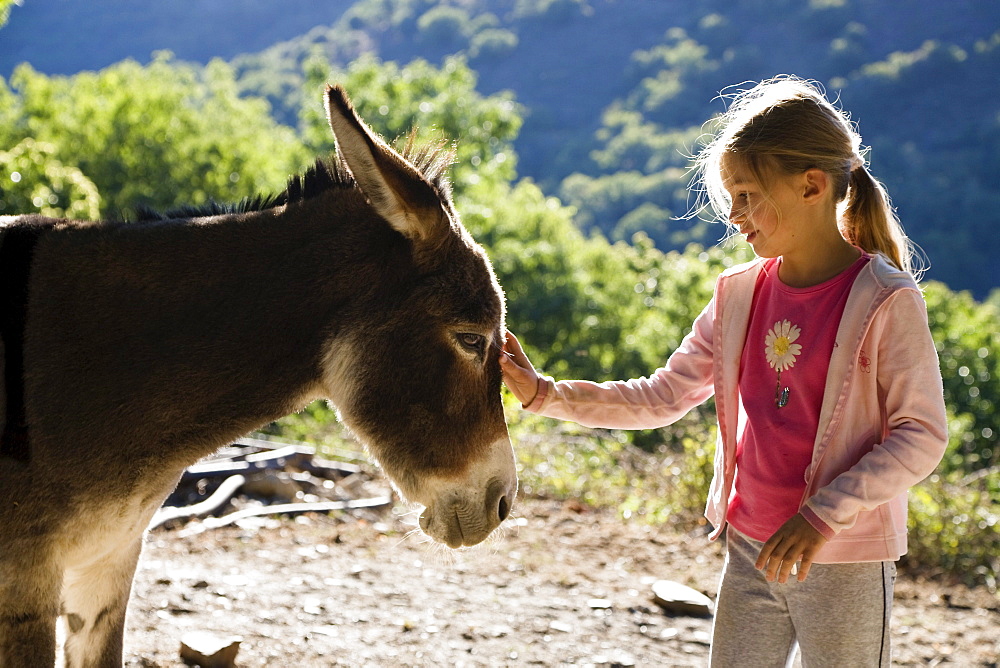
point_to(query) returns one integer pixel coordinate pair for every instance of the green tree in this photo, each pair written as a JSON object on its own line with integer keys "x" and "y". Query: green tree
{"x": 440, "y": 103}
{"x": 492, "y": 43}
{"x": 967, "y": 336}
{"x": 611, "y": 203}
{"x": 32, "y": 180}
{"x": 444, "y": 25}
{"x": 5, "y": 6}
{"x": 672, "y": 79}
{"x": 553, "y": 11}
{"x": 162, "y": 135}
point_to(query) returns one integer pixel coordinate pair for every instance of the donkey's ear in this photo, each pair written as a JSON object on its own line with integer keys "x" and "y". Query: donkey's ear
{"x": 397, "y": 191}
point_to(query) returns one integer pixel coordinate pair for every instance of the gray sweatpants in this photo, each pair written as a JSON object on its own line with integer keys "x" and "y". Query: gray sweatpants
{"x": 838, "y": 617}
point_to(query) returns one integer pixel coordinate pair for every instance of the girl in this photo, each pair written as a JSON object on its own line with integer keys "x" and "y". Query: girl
{"x": 828, "y": 393}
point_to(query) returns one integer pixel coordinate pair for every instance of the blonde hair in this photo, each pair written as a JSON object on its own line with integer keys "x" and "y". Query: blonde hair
{"x": 786, "y": 125}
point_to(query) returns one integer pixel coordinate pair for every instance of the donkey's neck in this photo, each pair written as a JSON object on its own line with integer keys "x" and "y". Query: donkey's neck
{"x": 188, "y": 333}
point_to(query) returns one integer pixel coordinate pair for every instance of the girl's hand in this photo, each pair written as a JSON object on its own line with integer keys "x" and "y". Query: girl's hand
{"x": 519, "y": 375}
{"x": 795, "y": 540}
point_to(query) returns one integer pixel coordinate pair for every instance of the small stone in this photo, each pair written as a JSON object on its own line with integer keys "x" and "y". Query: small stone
{"x": 561, "y": 626}
{"x": 200, "y": 648}
{"x": 702, "y": 638}
{"x": 272, "y": 485}
{"x": 680, "y": 599}
{"x": 599, "y": 604}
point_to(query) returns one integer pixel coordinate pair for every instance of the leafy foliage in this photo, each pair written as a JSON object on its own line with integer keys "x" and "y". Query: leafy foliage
{"x": 35, "y": 181}
{"x": 440, "y": 104}
{"x": 955, "y": 526}
{"x": 444, "y": 24}
{"x": 967, "y": 337}
{"x": 5, "y": 10}
{"x": 161, "y": 135}
{"x": 602, "y": 468}
{"x": 492, "y": 44}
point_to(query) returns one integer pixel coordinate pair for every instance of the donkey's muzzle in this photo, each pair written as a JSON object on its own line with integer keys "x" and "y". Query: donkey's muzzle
{"x": 458, "y": 521}
{"x": 464, "y": 512}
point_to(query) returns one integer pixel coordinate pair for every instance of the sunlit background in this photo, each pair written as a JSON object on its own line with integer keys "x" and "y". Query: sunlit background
{"x": 575, "y": 122}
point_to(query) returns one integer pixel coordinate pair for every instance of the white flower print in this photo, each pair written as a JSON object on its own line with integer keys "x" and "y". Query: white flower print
{"x": 780, "y": 346}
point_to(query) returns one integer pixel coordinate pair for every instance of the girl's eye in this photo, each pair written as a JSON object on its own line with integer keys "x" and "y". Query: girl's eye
{"x": 473, "y": 342}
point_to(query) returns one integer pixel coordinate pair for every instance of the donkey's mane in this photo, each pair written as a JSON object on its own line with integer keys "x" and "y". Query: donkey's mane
{"x": 431, "y": 160}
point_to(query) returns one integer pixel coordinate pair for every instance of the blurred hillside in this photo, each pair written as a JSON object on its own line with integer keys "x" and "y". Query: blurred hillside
{"x": 67, "y": 36}
{"x": 614, "y": 92}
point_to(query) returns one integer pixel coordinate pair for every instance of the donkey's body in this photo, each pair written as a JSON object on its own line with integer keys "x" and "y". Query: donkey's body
{"x": 148, "y": 345}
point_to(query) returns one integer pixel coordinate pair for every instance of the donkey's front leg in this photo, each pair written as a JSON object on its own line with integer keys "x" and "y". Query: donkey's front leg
{"x": 29, "y": 606}
{"x": 95, "y": 598}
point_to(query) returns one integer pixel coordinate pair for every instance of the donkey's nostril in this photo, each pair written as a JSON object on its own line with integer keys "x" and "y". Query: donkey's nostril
{"x": 504, "y": 508}
{"x": 497, "y": 502}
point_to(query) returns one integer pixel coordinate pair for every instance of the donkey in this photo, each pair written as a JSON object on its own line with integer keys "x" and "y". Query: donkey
{"x": 130, "y": 350}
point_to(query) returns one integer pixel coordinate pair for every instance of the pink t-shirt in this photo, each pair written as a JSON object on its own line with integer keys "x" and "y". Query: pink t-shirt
{"x": 790, "y": 338}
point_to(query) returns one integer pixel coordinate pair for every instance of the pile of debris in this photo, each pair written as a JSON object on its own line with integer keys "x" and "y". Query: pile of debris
{"x": 253, "y": 478}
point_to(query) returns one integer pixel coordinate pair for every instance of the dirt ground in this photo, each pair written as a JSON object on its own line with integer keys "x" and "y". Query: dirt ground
{"x": 563, "y": 585}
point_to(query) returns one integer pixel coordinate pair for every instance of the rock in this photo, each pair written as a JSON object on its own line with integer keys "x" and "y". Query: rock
{"x": 199, "y": 648}
{"x": 562, "y": 627}
{"x": 679, "y": 599}
{"x": 273, "y": 485}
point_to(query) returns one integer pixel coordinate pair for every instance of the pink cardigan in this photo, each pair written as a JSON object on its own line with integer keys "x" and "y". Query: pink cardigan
{"x": 882, "y": 427}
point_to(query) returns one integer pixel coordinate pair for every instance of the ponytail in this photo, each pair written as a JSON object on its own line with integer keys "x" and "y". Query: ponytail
{"x": 869, "y": 221}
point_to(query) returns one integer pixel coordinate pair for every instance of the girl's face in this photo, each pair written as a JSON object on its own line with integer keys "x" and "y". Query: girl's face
{"x": 766, "y": 218}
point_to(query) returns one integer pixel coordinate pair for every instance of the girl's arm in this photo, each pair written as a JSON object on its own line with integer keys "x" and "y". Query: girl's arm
{"x": 915, "y": 425}
{"x": 643, "y": 403}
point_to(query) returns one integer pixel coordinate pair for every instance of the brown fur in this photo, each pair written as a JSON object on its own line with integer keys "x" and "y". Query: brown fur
{"x": 148, "y": 345}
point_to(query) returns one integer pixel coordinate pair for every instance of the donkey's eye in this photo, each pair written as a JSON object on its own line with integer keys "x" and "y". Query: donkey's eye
{"x": 475, "y": 343}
